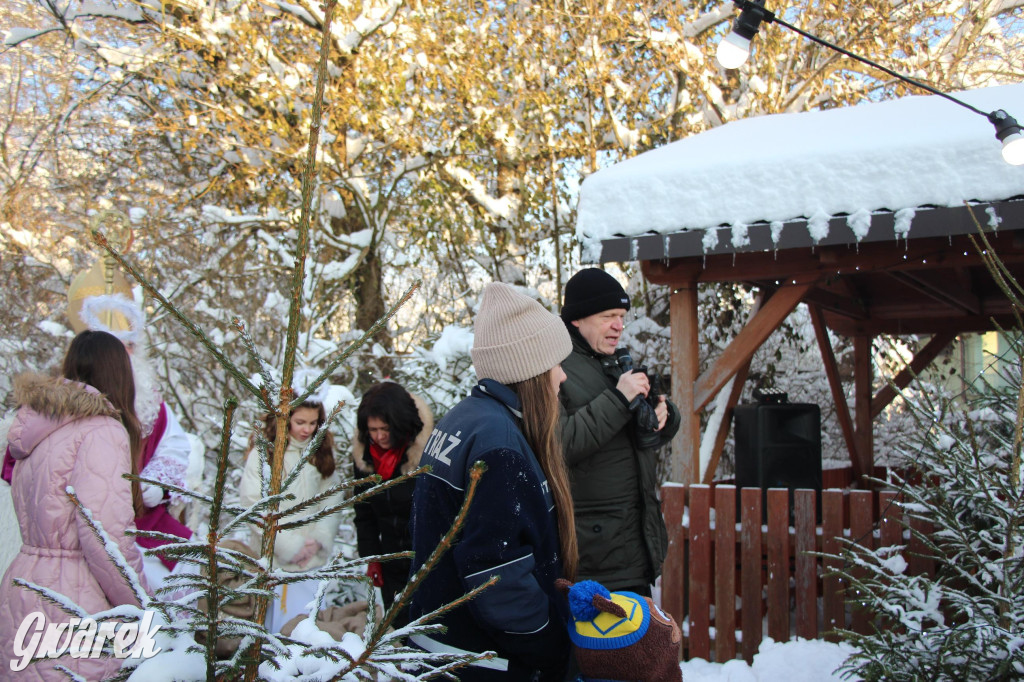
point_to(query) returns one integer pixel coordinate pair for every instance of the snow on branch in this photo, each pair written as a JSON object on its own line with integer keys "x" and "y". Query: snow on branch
{"x": 500, "y": 209}
{"x": 16, "y": 36}
{"x": 346, "y": 41}
{"x": 300, "y": 13}
{"x": 223, "y": 215}
{"x": 709, "y": 20}
{"x": 131, "y": 578}
{"x": 93, "y": 9}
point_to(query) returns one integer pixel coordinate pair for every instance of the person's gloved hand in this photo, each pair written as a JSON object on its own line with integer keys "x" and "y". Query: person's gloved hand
{"x": 152, "y": 495}
{"x": 376, "y": 573}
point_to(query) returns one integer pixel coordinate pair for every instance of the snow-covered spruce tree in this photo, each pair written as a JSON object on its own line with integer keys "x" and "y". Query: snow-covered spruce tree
{"x": 443, "y": 374}
{"x": 189, "y": 630}
{"x": 966, "y": 622}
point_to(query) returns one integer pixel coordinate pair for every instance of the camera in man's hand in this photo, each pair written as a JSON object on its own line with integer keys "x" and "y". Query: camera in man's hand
{"x": 645, "y": 419}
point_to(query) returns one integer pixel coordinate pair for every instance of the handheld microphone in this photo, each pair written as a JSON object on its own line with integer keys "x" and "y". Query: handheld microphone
{"x": 623, "y": 359}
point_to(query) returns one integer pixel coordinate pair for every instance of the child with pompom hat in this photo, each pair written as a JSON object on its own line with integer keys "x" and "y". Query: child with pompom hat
{"x": 621, "y": 636}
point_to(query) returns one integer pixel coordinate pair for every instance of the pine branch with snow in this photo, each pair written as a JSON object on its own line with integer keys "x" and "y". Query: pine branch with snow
{"x": 183, "y": 319}
{"x": 264, "y": 654}
{"x": 966, "y": 622}
{"x": 131, "y": 578}
{"x": 308, "y": 650}
{"x": 151, "y": 613}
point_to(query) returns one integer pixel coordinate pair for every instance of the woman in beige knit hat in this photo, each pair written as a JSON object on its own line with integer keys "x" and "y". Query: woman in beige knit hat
{"x": 520, "y": 522}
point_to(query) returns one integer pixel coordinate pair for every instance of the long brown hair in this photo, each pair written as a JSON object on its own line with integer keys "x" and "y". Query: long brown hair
{"x": 540, "y": 427}
{"x": 323, "y": 460}
{"x": 101, "y": 360}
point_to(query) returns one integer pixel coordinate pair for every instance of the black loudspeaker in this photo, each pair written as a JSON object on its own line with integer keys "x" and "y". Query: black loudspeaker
{"x": 778, "y": 446}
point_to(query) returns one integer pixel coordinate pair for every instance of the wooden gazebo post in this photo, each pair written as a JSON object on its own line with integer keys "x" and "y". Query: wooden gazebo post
{"x": 685, "y": 462}
{"x": 863, "y": 461}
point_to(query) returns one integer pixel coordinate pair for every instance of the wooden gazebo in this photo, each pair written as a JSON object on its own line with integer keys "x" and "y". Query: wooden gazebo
{"x": 871, "y": 250}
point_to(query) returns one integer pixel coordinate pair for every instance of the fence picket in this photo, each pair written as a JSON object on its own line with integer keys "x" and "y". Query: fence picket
{"x": 833, "y": 595}
{"x": 862, "y": 517}
{"x": 778, "y": 564}
{"x": 890, "y": 515}
{"x": 700, "y": 571}
{"x": 805, "y": 541}
{"x": 752, "y": 572}
{"x": 673, "y": 586}
{"x": 919, "y": 562}
{"x": 725, "y": 573}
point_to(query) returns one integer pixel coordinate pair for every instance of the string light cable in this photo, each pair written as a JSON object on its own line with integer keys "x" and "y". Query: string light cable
{"x": 734, "y": 49}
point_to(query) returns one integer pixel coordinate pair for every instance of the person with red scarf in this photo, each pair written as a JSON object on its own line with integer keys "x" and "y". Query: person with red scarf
{"x": 392, "y": 426}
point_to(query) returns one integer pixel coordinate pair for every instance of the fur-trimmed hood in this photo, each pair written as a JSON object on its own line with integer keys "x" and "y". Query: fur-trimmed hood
{"x": 47, "y": 403}
{"x": 415, "y": 451}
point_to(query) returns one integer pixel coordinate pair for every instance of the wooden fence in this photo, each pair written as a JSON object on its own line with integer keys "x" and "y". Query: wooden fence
{"x": 733, "y": 576}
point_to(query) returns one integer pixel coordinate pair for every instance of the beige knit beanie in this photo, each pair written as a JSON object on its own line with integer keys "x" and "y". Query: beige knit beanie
{"x": 515, "y": 338}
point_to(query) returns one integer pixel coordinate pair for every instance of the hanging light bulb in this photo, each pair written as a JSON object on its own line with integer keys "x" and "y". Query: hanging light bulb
{"x": 1013, "y": 149}
{"x": 1009, "y": 132}
{"x": 734, "y": 49}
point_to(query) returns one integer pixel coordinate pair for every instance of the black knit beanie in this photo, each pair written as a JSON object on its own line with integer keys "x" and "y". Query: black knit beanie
{"x": 592, "y": 291}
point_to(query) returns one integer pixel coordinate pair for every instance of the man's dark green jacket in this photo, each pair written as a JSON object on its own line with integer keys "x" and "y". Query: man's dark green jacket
{"x": 619, "y": 526}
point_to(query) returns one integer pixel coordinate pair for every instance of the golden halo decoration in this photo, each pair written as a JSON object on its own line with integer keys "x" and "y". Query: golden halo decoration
{"x": 115, "y": 226}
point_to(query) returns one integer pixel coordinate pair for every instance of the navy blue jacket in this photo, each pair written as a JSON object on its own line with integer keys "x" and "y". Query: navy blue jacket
{"x": 511, "y": 532}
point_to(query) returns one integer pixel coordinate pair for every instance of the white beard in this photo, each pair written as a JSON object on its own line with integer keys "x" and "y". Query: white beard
{"x": 147, "y": 393}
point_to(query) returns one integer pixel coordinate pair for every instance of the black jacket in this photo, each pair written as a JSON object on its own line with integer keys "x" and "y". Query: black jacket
{"x": 382, "y": 520}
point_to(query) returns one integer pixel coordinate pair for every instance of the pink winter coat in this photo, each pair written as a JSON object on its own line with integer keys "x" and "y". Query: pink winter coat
{"x": 66, "y": 434}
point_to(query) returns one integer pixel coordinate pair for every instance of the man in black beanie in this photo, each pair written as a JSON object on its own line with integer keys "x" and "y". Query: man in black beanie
{"x": 610, "y": 435}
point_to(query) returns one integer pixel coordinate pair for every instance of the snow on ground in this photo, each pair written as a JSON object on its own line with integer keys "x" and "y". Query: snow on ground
{"x": 801, "y": 660}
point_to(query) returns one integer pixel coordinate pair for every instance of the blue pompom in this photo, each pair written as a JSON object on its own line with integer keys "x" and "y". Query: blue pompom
{"x": 581, "y": 599}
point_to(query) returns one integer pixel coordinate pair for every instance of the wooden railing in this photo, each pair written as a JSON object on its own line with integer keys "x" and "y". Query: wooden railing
{"x": 733, "y": 576}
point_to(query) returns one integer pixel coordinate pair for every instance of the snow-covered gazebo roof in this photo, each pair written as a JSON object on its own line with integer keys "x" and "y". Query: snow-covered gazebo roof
{"x": 869, "y": 215}
{"x": 788, "y": 180}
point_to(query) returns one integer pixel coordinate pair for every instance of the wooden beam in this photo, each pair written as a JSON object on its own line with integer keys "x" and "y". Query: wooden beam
{"x": 742, "y": 348}
{"x": 846, "y": 286}
{"x": 923, "y": 325}
{"x": 688, "y": 242}
{"x": 723, "y": 426}
{"x": 684, "y": 463}
{"x": 734, "y": 397}
{"x": 837, "y": 302}
{"x": 850, "y": 259}
{"x": 862, "y": 408}
{"x": 918, "y": 363}
{"x": 963, "y": 278}
{"x": 835, "y": 383}
{"x": 677, "y": 273}
{"x": 941, "y": 289}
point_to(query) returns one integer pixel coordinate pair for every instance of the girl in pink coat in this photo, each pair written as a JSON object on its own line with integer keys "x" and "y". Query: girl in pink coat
{"x": 78, "y": 431}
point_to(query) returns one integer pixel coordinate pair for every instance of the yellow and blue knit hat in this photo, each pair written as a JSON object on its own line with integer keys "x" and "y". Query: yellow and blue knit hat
{"x": 621, "y": 621}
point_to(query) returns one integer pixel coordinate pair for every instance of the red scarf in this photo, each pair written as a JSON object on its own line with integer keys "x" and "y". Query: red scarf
{"x": 385, "y": 461}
